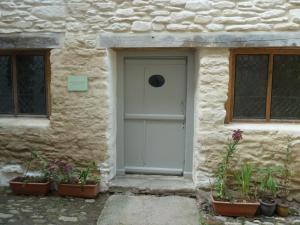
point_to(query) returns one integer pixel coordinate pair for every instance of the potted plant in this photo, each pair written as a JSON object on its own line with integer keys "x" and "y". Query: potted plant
{"x": 221, "y": 201}
{"x": 268, "y": 189}
{"x": 32, "y": 185}
{"x": 247, "y": 186}
{"x": 77, "y": 183}
{"x": 282, "y": 208}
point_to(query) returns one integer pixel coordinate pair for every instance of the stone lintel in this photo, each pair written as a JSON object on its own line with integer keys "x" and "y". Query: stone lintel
{"x": 31, "y": 41}
{"x": 220, "y": 39}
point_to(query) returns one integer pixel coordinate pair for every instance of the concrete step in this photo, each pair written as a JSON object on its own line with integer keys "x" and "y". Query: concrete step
{"x": 153, "y": 184}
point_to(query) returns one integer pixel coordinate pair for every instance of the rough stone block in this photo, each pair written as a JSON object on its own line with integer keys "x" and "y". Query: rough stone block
{"x": 203, "y": 19}
{"x": 180, "y": 16}
{"x": 49, "y": 12}
{"x": 177, "y": 27}
{"x": 178, "y": 2}
{"x": 161, "y": 19}
{"x": 105, "y": 6}
{"x": 119, "y": 27}
{"x": 125, "y": 12}
{"x": 196, "y": 5}
{"x": 140, "y": 26}
{"x": 224, "y": 5}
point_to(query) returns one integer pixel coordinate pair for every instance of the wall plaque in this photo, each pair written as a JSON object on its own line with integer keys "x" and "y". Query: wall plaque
{"x": 77, "y": 83}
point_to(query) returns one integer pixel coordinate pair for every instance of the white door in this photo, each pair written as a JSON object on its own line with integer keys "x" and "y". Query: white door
{"x": 155, "y": 98}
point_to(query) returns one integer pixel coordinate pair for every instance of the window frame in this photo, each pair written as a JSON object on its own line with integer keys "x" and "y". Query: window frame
{"x": 38, "y": 52}
{"x": 232, "y": 74}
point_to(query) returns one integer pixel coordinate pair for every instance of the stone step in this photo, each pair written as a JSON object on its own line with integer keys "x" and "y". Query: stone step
{"x": 149, "y": 210}
{"x": 153, "y": 184}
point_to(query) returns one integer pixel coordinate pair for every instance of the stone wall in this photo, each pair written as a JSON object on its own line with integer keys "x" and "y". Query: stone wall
{"x": 82, "y": 125}
{"x": 78, "y": 128}
{"x": 93, "y": 16}
{"x": 263, "y": 144}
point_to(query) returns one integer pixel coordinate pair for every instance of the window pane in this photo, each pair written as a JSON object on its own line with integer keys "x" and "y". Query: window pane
{"x": 250, "y": 86}
{"x": 286, "y": 87}
{"x": 31, "y": 84}
{"x": 6, "y": 94}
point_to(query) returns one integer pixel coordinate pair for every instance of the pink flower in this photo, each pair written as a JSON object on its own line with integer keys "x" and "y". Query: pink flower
{"x": 237, "y": 135}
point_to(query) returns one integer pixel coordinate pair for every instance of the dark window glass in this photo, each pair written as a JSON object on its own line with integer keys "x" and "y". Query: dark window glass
{"x": 6, "y": 84}
{"x": 250, "y": 86}
{"x": 156, "y": 80}
{"x": 31, "y": 84}
{"x": 286, "y": 87}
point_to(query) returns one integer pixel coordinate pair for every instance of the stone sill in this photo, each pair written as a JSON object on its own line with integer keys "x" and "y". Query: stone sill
{"x": 7, "y": 122}
{"x": 290, "y": 128}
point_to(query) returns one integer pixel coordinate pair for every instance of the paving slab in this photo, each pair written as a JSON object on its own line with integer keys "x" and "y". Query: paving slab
{"x": 47, "y": 210}
{"x": 153, "y": 184}
{"x": 149, "y": 210}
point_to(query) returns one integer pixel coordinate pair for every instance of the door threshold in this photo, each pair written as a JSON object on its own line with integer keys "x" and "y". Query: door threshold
{"x": 153, "y": 170}
{"x": 153, "y": 184}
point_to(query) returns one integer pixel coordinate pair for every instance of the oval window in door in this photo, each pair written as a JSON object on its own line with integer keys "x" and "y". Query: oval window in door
{"x": 156, "y": 80}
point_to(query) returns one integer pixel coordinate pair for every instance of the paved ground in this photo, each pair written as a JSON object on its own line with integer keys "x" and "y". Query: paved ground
{"x": 149, "y": 210}
{"x": 50, "y": 210}
{"x": 127, "y": 209}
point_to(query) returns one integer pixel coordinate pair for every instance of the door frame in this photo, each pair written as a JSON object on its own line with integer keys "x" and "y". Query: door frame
{"x": 190, "y": 88}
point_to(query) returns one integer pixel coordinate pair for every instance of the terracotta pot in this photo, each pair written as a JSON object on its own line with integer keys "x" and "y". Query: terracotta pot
{"x": 246, "y": 209}
{"x": 282, "y": 210}
{"x": 77, "y": 190}
{"x": 267, "y": 209}
{"x": 23, "y": 188}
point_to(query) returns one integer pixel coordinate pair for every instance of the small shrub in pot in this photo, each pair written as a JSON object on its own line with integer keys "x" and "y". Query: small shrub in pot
{"x": 222, "y": 171}
{"x": 74, "y": 182}
{"x": 33, "y": 185}
{"x": 282, "y": 208}
{"x": 244, "y": 180}
{"x": 268, "y": 189}
{"x": 222, "y": 202}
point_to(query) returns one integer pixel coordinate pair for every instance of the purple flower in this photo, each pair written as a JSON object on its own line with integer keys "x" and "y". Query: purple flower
{"x": 237, "y": 135}
{"x": 67, "y": 168}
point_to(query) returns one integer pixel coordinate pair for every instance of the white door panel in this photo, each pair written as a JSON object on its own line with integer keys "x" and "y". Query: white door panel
{"x": 134, "y": 142}
{"x": 134, "y": 86}
{"x": 155, "y": 116}
{"x": 169, "y": 98}
{"x": 164, "y": 144}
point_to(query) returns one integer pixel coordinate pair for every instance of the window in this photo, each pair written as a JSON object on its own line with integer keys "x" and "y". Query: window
{"x": 264, "y": 85}
{"x": 23, "y": 83}
{"x": 156, "y": 80}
